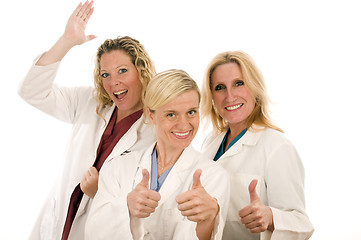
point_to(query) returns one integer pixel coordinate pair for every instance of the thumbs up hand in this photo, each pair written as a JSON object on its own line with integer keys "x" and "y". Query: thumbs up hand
{"x": 142, "y": 201}
{"x": 257, "y": 217}
{"x": 196, "y": 204}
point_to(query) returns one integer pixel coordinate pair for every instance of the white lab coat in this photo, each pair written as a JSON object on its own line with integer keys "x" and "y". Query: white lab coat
{"x": 76, "y": 106}
{"x": 269, "y": 157}
{"x": 109, "y": 216}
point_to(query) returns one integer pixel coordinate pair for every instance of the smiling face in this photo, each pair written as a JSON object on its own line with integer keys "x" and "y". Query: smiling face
{"x": 121, "y": 81}
{"x": 232, "y": 99}
{"x": 176, "y": 123}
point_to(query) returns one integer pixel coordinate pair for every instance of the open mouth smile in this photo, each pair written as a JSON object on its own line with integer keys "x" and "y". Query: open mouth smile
{"x": 120, "y": 94}
{"x": 234, "y": 107}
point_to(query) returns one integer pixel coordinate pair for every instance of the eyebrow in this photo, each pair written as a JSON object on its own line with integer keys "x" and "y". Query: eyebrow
{"x": 120, "y": 66}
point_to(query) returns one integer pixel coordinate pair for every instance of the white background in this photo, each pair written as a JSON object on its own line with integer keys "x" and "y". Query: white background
{"x": 309, "y": 52}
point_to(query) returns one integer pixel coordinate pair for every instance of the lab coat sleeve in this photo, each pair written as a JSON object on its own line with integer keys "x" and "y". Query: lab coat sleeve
{"x": 285, "y": 192}
{"x": 219, "y": 188}
{"x": 109, "y": 216}
{"x": 39, "y": 90}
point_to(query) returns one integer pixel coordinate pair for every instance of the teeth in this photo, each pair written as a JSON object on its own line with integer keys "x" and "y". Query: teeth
{"x": 181, "y": 134}
{"x": 120, "y": 92}
{"x": 234, "y": 107}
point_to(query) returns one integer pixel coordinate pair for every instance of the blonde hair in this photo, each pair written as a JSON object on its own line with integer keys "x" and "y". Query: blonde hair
{"x": 165, "y": 86}
{"x": 139, "y": 58}
{"x": 252, "y": 78}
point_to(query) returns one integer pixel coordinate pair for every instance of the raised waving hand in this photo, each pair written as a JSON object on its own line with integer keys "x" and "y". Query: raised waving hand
{"x": 77, "y": 22}
{"x": 73, "y": 35}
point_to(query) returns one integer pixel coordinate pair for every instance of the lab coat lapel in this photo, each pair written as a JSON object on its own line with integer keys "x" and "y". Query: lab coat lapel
{"x": 144, "y": 163}
{"x": 177, "y": 175}
{"x": 101, "y": 128}
{"x": 213, "y": 146}
{"x": 127, "y": 141}
{"x": 250, "y": 138}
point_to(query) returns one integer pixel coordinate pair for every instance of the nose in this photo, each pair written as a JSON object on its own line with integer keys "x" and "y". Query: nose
{"x": 183, "y": 123}
{"x": 115, "y": 80}
{"x": 231, "y": 96}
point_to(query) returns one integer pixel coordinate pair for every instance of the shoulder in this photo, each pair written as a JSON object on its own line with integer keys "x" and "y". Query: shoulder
{"x": 268, "y": 136}
{"x": 212, "y": 138}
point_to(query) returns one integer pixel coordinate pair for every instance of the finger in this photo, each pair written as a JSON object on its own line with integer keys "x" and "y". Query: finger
{"x": 145, "y": 178}
{"x": 90, "y": 37}
{"x": 252, "y": 225}
{"x": 252, "y": 191}
{"x": 86, "y": 19}
{"x": 258, "y": 229}
{"x": 197, "y": 179}
{"x": 153, "y": 195}
{"x": 88, "y": 10}
{"x": 83, "y": 10}
{"x": 93, "y": 171}
{"x": 247, "y": 219}
{"x": 184, "y": 206}
{"x": 245, "y": 211}
{"x": 77, "y": 9}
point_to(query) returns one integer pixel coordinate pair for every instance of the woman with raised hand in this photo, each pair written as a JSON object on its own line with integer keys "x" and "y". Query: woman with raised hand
{"x": 107, "y": 119}
{"x": 267, "y": 176}
{"x": 168, "y": 190}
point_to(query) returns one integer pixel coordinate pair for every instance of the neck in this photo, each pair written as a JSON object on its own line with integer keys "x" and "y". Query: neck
{"x": 123, "y": 114}
{"x": 167, "y": 157}
{"x": 233, "y": 133}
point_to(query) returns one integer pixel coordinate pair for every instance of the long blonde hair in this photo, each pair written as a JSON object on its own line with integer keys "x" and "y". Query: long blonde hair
{"x": 253, "y": 80}
{"x": 139, "y": 58}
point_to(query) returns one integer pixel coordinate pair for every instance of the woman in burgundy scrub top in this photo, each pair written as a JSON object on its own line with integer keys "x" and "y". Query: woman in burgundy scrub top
{"x": 107, "y": 119}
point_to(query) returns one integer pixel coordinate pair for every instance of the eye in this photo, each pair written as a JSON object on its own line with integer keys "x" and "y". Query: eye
{"x": 192, "y": 113}
{"x": 104, "y": 75}
{"x": 170, "y": 115}
{"x": 239, "y": 83}
{"x": 219, "y": 87}
{"x": 123, "y": 70}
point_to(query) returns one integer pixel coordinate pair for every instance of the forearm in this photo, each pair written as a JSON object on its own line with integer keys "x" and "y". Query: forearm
{"x": 57, "y": 52}
{"x": 204, "y": 229}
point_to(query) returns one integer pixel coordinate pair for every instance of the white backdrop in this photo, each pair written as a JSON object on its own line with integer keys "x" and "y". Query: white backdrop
{"x": 309, "y": 52}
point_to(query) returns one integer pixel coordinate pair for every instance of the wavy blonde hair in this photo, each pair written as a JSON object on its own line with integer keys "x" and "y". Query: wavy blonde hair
{"x": 165, "y": 86}
{"x": 139, "y": 58}
{"x": 254, "y": 81}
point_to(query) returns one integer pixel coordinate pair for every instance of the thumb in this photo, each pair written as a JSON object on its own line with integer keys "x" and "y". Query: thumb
{"x": 145, "y": 179}
{"x": 252, "y": 190}
{"x": 90, "y": 37}
{"x": 197, "y": 179}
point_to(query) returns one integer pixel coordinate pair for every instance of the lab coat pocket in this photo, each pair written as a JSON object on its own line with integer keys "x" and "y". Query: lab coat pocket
{"x": 240, "y": 194}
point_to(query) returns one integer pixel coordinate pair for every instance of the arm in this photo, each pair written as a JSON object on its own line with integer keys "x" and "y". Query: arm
{"x": 142, "y": 201}
{"x": 207, "y": 204}
{"x": 108, "y": 216}
{"x": 285, "y": 192}
{"x": 38, "y": 88}
{"x": 198, "y": 206}
{"x": 74, "y": 34}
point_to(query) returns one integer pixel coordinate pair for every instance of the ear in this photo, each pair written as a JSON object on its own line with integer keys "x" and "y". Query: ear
{"x": 150, "y": 115}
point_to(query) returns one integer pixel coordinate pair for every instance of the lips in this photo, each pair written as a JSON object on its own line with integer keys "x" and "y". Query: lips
{"x": 182, "y": 134}
{"x": 234, "y": 107}
{"x": 120, "y": 94}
